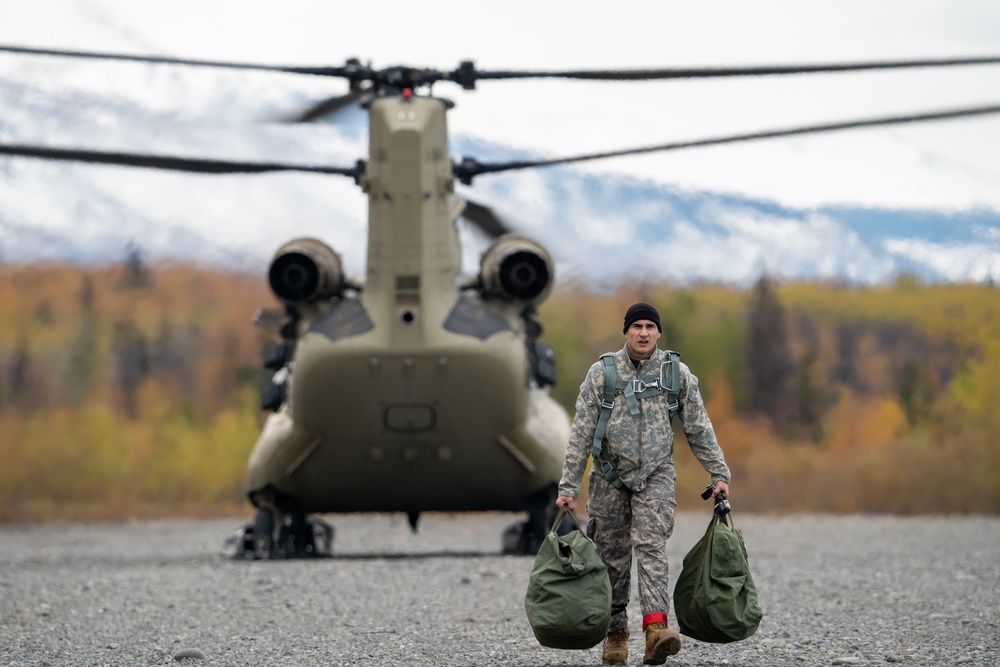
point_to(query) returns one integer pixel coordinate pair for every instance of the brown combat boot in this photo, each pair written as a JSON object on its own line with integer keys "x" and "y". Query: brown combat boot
{"x": 616, "y": 648}
{"x": 661, "y": 641}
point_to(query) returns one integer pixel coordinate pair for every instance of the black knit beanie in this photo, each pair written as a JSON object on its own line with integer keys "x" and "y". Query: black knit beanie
{"x": 641, "y": 311}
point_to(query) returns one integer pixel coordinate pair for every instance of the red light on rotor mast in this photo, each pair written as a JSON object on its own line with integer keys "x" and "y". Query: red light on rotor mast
{"x": 407, "y": 94}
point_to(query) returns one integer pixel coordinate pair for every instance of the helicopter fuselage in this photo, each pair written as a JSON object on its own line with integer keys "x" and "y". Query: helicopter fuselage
{"x": 416, "y": 392}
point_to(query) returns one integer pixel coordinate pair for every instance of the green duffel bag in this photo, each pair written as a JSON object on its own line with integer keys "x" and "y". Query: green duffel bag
{"x": 715, "y": 599}
{"x": 569, "y": 594}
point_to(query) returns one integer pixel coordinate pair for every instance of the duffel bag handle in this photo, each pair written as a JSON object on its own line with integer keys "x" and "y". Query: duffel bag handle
{"x": 563, "y": 511}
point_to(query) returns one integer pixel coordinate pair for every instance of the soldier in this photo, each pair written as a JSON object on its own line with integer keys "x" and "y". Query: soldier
{"x": 631, "y": 497}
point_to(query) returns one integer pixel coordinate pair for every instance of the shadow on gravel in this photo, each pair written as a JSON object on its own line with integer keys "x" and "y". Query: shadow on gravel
{"x": 425, "y": 554}
{"x": 420, "y": 555}
{"x": 389, "y": 555}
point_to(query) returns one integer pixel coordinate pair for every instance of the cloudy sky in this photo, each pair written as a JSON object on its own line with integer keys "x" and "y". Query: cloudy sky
{"x": 944, "y": 166}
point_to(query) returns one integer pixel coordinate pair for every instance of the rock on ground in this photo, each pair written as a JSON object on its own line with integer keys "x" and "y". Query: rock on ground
{"x": 836, "y": 590}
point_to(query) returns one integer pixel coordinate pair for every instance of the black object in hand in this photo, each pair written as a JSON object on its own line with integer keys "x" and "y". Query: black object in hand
{"x": 721, "y": 502}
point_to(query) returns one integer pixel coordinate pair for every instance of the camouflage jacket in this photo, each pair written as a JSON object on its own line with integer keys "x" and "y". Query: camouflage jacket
{"x": 639, "y": 444}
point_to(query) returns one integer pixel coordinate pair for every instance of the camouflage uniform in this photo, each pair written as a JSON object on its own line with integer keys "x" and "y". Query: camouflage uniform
{"x": 641, "y": 514}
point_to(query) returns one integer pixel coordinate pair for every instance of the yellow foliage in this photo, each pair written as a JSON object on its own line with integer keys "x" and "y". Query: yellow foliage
{"x": 857, "y": 423}
{"x": 976, "y": 392}
{"x": 69, "y": 449}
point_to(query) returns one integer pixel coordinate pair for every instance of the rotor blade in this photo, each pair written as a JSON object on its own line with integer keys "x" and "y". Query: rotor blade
{"x": 347, "y": 71}
{"x": 331, "y": 106}
{"x": 485, "y": 219}
{"x": 720, "y": 72}
{"x": 196, "y": 165}
{"x": 467, "y": 75}
{"x": 468, "y": 168}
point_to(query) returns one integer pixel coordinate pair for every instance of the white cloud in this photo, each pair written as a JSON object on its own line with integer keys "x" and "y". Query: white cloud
{"x": 944, "y": 166}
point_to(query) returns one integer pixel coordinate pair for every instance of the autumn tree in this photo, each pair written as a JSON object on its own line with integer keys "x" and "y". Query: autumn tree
{"x": 916, "y": 392}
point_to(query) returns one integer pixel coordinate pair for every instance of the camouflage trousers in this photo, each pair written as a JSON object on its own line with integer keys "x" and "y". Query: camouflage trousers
{"x": 621, "y": 520}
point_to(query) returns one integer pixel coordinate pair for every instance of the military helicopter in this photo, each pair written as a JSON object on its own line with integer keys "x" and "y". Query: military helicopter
{"x": 415, "y": 389}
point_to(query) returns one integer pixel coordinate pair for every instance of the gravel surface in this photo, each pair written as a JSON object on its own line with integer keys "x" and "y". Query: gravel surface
{"x": 856, "y": 590}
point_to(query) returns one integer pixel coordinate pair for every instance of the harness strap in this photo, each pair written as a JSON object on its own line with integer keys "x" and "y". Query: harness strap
{"x": 633, "y": 402}
{"x": 673, "y": 382}
{"x": 639, "y": 389}
{"x": 667, "y": 381}
{"x": 601, "y": 458}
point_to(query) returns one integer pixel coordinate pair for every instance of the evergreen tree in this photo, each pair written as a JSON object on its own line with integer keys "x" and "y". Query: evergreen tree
{"x": 137, "y": 273}
{"x": 847, "y": 353}
{"x": 809, "y": 410}
{"x": 25, "y": 380}
{"x": 171, "y": 358}
{"x": 84, "y": 353}
{"x": 131, "y": 357}
{"x": 769, "y": 356}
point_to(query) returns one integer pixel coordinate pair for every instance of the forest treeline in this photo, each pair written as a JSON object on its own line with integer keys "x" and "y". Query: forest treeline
{"x": 133, "y": 390}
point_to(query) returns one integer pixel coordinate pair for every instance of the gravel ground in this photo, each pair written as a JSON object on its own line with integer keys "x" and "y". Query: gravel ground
{"x": 863, "y": 590}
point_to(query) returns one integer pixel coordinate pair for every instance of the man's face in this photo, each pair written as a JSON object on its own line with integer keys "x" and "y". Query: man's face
{"x": 641, "y": 338}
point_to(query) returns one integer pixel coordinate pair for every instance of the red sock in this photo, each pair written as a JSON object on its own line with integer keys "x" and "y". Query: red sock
{"x": 657, "y": 617}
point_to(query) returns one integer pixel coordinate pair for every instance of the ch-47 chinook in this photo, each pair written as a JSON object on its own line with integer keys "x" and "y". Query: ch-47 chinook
{"x": 415, "y": 389}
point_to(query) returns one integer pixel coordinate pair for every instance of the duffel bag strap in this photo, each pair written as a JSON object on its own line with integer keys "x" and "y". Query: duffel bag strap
{"x": 564, "y": 511}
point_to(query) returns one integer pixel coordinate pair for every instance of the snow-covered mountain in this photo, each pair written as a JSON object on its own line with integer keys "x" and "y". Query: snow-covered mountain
{"x": 606, "y": 227}
{"x": 619, "y": 229}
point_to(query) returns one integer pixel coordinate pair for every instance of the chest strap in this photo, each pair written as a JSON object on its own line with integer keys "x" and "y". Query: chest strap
{"x": 666, "y": 381}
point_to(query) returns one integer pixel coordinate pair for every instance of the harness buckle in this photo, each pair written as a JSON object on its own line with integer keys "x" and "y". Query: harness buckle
{"x": 607, "y": 404}
{"x": 638, "y": 386}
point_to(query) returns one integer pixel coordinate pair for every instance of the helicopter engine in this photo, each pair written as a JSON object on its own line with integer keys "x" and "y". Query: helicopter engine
{"x": 305, "y": 270}
{"x": 516, "y": 268}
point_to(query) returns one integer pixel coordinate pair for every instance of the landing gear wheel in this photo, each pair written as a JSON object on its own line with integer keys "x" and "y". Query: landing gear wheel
{"x": 274, "y": 534}
{"x": 263, "y": 533}
{"x": 296, "y": 538}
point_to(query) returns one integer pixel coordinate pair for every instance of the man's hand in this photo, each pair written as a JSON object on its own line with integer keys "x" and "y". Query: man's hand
{"x": 568, "y": 501}
{"x": 719, "y": 486}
